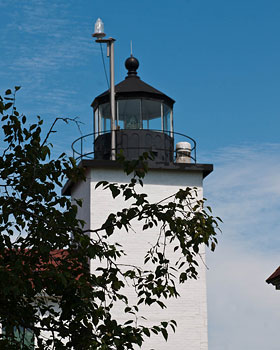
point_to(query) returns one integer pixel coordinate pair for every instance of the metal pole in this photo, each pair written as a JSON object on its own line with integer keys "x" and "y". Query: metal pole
{"x": 161, "y": 112}
{"x": 112, "y": 99}
{"x": 110, "y": 53}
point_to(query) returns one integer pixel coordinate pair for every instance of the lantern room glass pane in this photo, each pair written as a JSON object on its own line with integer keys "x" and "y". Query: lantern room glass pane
{"x": 129, "y": 114}
{"x": 96, "y": 123}
{"x": 166, "y": 118}
{"x": 151, "y": 114}
{"x": 134, "y": 114}
{"x": 105, "y": 117}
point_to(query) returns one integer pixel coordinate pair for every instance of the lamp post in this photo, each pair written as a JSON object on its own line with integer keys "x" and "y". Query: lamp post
{"x": 99, "y": 35}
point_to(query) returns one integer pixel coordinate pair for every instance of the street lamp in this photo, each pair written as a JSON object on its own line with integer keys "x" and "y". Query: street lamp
{"x": 99, "y": 35}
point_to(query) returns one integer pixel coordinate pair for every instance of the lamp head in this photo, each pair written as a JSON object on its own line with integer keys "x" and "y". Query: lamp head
{"x": 99, "y": 29}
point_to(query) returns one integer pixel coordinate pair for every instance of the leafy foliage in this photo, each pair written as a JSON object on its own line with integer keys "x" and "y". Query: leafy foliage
{"x": 45, "y": 284}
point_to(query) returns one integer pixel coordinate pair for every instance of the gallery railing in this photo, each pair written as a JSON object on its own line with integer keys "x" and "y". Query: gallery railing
{"x": 85, "y": 146}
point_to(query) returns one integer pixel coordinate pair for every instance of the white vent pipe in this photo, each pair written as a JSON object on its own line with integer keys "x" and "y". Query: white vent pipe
{"x": 183, "y": 152}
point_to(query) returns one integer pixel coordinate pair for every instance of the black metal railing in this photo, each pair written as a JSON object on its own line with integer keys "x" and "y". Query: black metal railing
{"x": 84, "y": 146}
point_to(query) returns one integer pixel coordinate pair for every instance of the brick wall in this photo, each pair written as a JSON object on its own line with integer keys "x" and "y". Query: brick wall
{"x": 190, "y": 310}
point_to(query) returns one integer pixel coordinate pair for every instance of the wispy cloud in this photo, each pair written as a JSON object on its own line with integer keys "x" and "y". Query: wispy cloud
{"x": 245, "y": 191}
{"x": 43, "y": 42}
{"x": 243, "y": 310}
{"x": 245, "y": 187}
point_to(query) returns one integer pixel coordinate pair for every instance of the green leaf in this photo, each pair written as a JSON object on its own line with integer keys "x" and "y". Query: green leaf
{"x": 45, "y": 152}
{"x": 101, "y": 183}
{"x": 164, "y": 333}
{"x": 8, "y": 105}
{"x": 114, "y": 190}
{"x": 146, "y": 332}
{"x": 32, "y": 127}
{"x": 73, "y": 161}
{"x": 128, "y": 322}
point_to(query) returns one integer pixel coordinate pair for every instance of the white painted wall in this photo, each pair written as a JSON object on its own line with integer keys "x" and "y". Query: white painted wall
{"x": 190, "y": 310}
{"x": 82, "y": 191}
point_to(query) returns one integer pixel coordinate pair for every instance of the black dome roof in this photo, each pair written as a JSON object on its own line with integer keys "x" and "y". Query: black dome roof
{"x": 132, "y": 87}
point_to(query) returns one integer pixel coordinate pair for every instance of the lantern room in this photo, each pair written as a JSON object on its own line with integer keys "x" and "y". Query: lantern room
{"x": 138, "y": 119}
{"x": 138, "y": 105}
{"x": 144, "y": 119}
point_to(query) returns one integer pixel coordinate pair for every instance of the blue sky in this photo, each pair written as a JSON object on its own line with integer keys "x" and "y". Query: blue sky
{"x": 220, "y": 61}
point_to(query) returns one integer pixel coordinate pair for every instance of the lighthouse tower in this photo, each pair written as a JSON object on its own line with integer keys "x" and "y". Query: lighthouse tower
{"x": 144, "y": 122}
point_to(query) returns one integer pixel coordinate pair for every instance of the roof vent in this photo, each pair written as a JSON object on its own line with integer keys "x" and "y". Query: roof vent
{"x": 183, "y": 152}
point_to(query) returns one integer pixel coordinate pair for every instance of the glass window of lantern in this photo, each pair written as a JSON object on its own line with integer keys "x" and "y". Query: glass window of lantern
{"x": 166, "y": 117}
{"x": 151, "y": 114}
{"x": 96, "y": 122}
{"x": 129, "y": 114}
{"x": 104, "y": 117}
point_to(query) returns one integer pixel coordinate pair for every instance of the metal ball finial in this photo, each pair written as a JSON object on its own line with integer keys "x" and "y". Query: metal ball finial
{"x": 131, "y": 64}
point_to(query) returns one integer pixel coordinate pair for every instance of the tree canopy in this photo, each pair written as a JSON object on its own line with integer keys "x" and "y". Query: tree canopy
{"x": 47, "y": 293}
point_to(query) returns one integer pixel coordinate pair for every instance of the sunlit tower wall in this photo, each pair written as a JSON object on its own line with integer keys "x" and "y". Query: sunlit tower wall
{"x": 144, "y": 119}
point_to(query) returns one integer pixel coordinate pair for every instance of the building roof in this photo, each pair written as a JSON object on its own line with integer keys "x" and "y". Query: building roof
{"x": 133, "y": 87}
{"x": 274, "y": 279}
{"x": 53, "y": 258}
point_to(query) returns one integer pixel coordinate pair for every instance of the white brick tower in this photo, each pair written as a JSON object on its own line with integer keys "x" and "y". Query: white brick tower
{"x": 144, "y": 122}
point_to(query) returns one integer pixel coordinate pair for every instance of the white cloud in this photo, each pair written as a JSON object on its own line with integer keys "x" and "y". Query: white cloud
{"x": 245, "y": 191}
